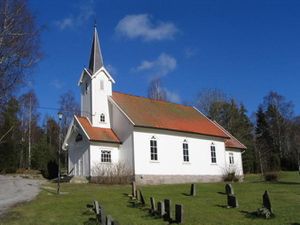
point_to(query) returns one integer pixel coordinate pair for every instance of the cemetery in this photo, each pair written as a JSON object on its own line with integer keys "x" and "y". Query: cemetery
{"x": 253, "y": 201}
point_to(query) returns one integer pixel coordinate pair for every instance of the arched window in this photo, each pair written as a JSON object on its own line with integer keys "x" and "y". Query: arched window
{"x": 231, "y": 158}
{"x": 213, "y": 153}
{"x": 101, "y": 85}
{"x": 102, "y": 118}
{"x": 185, "y": 148}
{"x": 153, "y": 149}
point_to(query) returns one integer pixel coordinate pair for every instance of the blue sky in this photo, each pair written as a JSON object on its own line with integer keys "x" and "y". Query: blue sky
{"x": 244, "y": 48}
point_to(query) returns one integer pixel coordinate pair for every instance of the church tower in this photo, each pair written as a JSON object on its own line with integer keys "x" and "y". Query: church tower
{"x": 95, "y": 87}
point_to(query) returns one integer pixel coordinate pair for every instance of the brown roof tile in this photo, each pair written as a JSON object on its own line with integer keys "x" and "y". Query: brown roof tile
{"x": 145, "y": 112}
{"x": 96, "y": 133}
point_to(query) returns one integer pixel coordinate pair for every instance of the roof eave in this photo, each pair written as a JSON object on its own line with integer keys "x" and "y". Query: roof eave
{"x": 181, "y": 131}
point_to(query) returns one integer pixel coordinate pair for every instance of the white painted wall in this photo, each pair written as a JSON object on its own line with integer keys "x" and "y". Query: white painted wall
{"x": 95, "y": 155}
{"x": 78, "y": 153}
{"x": 123, "y": 128}
{"x": 100, "y": 98}
{"x": 238, "y": 163}
{"x": 170, "y": 153}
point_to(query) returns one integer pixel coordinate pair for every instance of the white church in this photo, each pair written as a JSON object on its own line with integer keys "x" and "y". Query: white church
{"x": 157, "y": 141}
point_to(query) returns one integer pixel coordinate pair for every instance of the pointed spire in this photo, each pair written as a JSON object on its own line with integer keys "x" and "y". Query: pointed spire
{"x": 96, "y": 61}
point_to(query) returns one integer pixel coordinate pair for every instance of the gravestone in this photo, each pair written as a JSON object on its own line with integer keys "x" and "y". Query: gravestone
{"x": 193, "y": 190}
{"x": 160, "y": 209}
{"x": 108, "y": 220}
{"x": 168, "y": 209}
{"x": 102, "y": 216}
{"x": 178, "y": 213}
{"x": 266, "y": 201}
{"x": 133, "y": 189}
{"x": 232, "y": 201}
{"x": 142, "y": 198}
{"x": 115, "y": 222}
{"x": 96, "y": 207}
{"x": 229, "y": 189}
{"x": 152, "y": 202}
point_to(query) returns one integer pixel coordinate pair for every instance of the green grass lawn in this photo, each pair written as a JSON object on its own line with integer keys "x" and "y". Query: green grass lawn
{"x": 208, "y": 207}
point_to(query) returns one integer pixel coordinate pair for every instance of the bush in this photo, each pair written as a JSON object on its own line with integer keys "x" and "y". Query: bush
{"x": 111, "y": 174}
{"x": 271, "y": 176}
{"x": 230, "y": 175}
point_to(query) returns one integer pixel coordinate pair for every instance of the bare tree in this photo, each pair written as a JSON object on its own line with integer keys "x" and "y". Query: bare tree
{"x": 156, "y": 91}
{"x": 69, "y": 107}
{"x": 210, "y": 99}
{"x": 19, "y": 45}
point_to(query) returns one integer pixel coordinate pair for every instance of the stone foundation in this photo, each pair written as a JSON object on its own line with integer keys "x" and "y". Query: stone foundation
{"x": 176, "y": 179}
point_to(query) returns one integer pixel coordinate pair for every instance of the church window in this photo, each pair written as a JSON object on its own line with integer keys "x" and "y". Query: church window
{"x": 101, "y": 85}
{"x": 185, "y": 147}
{"x": 213, "y": 153}
{"x": 78, "y": 138}
{"x": 105, "y": 156}
{"x": 231, "y": 158}
{"x": 86, "y": 87}
{"x": 153, "y": 149}
{"x": 102, "y": 118}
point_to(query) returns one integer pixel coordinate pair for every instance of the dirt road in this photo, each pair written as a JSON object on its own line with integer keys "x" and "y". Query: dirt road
{"x": 15, "y": 189}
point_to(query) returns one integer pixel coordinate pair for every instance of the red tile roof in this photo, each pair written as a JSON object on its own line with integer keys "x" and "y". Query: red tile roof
{"x": 96, "y": 133}
{"x": 145, "y": 112}
{"x": 232, "y": 142}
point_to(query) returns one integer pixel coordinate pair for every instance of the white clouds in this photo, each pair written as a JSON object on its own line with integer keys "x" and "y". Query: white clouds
{"x": 172, "y": 96}
{"x": 159, "y": 67}
{"x": 141, "y": 26}
{"x": 84, "y": 12}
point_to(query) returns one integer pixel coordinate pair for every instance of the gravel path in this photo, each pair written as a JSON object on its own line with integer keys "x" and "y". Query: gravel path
{"x": 15, "y": 189}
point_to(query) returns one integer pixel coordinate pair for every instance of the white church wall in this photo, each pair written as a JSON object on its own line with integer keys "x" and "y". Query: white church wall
{"x": 78, "y": 155}
{"x": 237, "y": 166}
{"x": 170, "y": 156}
{"x": 101, "y": 88}
{"x": 124, "y": 130}
{"x": 96, "y": 149}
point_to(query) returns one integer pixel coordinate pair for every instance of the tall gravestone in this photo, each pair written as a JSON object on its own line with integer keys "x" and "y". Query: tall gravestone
{"x": 152, "y": 203}
{"x": 229, "y": 189}
{"x": 102, "y": 216}
{"x": 193, "y": 190}
{"x": 267, "y": 202}
{"x": 178, "y": 213}
{"x": 142, "y": 199}
{"x": 133, "y": 189}
{"x": 232, "y": 201}
{"x": 108, "y": 220}
{"x": 168, "y": 209}
{"x": 160, "y": 209}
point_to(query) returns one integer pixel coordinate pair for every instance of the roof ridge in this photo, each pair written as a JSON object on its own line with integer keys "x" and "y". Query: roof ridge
{"x": 150, "y": 99}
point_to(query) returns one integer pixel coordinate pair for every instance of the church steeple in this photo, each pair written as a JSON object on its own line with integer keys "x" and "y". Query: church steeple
{"x": 96, "y": 60}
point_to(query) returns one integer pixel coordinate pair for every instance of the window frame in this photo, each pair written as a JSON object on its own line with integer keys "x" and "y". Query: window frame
{"x": 153, "y": 149}
{"x": 102, "y": 118}
{"x": 231, "y": 158}
{"x": 106, "y": 156}
{"x": 185, "y": 151}
{"x": 213, "y": 154}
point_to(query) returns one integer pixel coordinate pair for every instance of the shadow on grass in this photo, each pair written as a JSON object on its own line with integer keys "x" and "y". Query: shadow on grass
{"x": 222, "y": 206}
{"x": 286, "y": 182}
{"x": 254, "y": 215}
{"x": 91, "y": 221}
{"x": 295, "y": 224}
{"x": 185, "y": 194}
